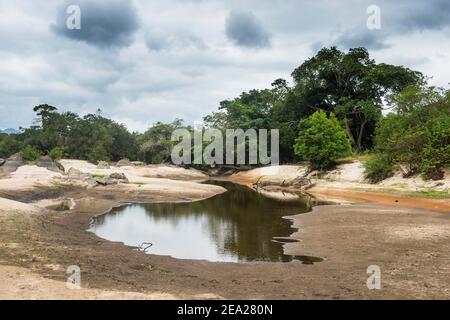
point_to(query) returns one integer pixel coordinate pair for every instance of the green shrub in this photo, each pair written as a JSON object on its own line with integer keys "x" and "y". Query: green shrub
{"x": 8, "y": 145}
{"x": 322, "y": 140}
{"x": 416, "y": 137}
{"x": 30, "y": 153}
{"x": 378, "y": 168}
{"x": 98, "y": 153}
{"x": 57, "y": 153}
{"x": 435, "y": 154}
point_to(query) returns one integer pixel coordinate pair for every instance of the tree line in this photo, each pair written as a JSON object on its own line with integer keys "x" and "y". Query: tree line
{"x": 339, "y": 104}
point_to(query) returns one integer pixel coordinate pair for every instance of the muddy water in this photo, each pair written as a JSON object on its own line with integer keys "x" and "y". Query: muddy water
{"x": 240, "y": 225}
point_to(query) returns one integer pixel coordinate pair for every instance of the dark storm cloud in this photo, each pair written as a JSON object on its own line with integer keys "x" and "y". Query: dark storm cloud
{"x": 425, "y": 15}
{"x": 244, "y": 29}
{"x": 397, "y": 18}
{"x": 370, "y": 39}
{"x": 104, "y": 23}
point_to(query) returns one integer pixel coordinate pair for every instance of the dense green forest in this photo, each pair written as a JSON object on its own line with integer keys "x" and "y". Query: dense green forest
{"x": 339, "y": 104}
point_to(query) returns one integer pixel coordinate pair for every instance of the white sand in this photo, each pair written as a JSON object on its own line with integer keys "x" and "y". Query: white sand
{"x": 275, "y": 174}
{"x": 9, "y": 206}
{"x": 29, "y": 177}
{"x": 345, "y": 176}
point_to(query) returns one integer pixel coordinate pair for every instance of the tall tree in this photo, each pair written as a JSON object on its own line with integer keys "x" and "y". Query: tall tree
{"x": 352, "y": 86}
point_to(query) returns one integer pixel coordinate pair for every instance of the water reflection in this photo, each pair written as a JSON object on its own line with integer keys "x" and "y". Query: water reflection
{"x": 237, "y": 226}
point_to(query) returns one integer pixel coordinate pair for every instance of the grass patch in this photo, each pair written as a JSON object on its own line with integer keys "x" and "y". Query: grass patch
{"x": 429, "y": 194}
{"x": 358, "y": 157}
{"x": 137, "y": 183}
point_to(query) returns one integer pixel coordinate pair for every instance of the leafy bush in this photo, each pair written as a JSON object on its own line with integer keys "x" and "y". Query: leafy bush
{"x": 98, "y": 153}
{"x": 8, "y": 145}
{"x": 322, "y": 140}
{"x": 30, "y": 153}
{"x": 378, "y": 168}
{"x": 417, "y": 135}
{"x": 57, "y": 153}
{"x": 436, "y": 151}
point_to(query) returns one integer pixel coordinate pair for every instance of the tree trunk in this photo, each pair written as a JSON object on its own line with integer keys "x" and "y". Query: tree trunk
{"x": 350, "y": 134}
{"x": 360, "y": 136}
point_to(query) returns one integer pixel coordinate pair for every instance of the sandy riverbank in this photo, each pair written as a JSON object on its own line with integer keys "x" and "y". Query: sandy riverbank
{"x": 411, "y": 245}
{"x": 347, "y": 183}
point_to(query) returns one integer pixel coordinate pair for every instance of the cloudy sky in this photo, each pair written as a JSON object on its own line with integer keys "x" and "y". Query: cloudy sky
{"x": 144, "y": 61}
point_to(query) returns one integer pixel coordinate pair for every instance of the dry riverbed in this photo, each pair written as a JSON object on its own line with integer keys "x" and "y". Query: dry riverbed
{"x": 37, "y": 244}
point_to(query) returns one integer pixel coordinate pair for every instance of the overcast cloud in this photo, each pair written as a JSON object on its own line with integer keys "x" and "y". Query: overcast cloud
{"x": 244, "y": 29}
{"x": 146, "y": 61}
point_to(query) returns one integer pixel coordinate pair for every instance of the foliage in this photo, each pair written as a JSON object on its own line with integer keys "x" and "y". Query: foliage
{"x": 352, "y": 86}
{"x": 98, "y": 153}
{"x": 378, "y": 168}
{"x": 156, "y": 144}
{"x": 322, "y": 140}
{"x": 349, "y": 84}
{"x": 57, "y": 153}
{"x": 417, "y": 134}
{"x": 9, "y": 145}
{"x": 30, "y": 153}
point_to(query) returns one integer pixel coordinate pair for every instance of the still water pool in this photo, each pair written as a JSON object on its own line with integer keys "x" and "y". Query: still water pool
{"x": 240, "y": 225}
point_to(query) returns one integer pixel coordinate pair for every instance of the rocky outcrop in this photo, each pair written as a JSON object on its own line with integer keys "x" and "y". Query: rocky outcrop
{"x": 12, "y": 163}
{"x": 112, "y": 179}
{"x": 16, "y": 157}
{"x": 67, "y": 205}
{"x": 85, "y": 178}
{"x": 59, "y": 166}
{"x": 2, "y": 162}
{"x": 49, "y": 164}
{"x": 103, "y": 165}
{"x": 124, "y": 163}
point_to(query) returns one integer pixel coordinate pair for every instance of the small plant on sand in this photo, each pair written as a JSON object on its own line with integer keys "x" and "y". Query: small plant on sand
{"x": 378, "y": 168}
{"x": 56, "y": 153}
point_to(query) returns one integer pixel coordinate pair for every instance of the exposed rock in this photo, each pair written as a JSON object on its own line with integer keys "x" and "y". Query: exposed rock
{"x": 49, "y": 164}
{"x": 75, "y": 174}
{"x": 124, "y": 163}
{"x": 229, "y": 172}
{"x": 16, "y": 157}
{"x": 59, "y": 166}
{"x": 213, "y": 172}
{"x": 67, "y": 205}
{"x": 138, "y": 163}
{"x": 2, "y": 162}
{"x": 13, "y": 162}
{"x": 300, "y": 182}
{"x": 103, "y": 165}
{"x": 118, "y": 176}
{"x": 112, "y": 179}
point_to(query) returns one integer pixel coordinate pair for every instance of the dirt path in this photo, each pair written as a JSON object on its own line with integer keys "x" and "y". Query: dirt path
{"x": 393, "y": 200}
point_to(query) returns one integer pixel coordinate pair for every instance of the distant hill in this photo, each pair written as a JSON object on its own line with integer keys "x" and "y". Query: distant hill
{"x": 10, "y": 131}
